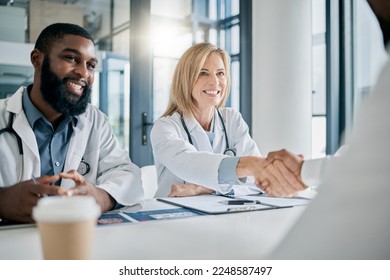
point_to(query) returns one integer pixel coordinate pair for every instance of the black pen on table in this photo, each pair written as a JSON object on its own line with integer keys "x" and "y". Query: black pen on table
{"x": 242, "y": 202}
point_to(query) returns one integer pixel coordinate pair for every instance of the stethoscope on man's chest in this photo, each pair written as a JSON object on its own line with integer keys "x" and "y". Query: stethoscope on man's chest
{"x": 11, "y": 130}
{"x": 83, "y": 168}
{"x": 228, "y": 151}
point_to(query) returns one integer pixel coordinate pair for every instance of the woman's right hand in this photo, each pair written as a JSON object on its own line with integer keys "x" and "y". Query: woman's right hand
{"x": 181, "y": 190}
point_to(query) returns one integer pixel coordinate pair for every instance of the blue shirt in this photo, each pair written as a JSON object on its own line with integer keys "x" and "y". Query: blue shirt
{"x": 227, "y": 168}
{"x": 52, "y": 142}
{"x": 227, "y": 173}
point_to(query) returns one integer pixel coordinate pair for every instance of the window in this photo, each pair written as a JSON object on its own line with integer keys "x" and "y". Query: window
{"x": 348, "y": 54}
{"x": 369, "y": 53}
{"x": 139, "y": 43}
{"x": 171, "y": 36}
{"x": 318, "y": 78}
{"x": 183, "y": 24}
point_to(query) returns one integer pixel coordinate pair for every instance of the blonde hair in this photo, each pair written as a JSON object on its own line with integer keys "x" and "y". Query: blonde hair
{"x": 186, "y": 74}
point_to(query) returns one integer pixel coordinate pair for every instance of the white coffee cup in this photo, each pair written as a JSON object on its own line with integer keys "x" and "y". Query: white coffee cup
{"x": 66, "y": 226}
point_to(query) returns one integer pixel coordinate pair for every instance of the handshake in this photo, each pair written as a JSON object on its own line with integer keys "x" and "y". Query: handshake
{"x": 279, "y": 174}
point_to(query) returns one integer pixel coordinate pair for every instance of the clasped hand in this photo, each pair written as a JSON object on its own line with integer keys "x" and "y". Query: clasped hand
{"x": 17, "y": 201}
{"x": 277, "y": 175}
{"x": 281, "y": 175}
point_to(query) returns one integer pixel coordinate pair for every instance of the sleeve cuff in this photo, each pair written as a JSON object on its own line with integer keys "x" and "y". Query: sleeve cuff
{"x": 227, "y": 171}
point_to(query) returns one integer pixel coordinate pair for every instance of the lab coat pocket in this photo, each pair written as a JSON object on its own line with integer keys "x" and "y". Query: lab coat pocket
{"x": 88, "y": 166}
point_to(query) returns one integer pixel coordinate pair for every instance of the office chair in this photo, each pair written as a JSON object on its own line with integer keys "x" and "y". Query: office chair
{"x": 149, "y": 180}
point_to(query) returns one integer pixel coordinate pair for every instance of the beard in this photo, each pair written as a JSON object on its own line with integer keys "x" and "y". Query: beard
{"x": 54, "y": 92}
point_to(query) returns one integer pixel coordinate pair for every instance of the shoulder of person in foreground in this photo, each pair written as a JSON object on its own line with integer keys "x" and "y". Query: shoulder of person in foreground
{"x": 349, "y": 217}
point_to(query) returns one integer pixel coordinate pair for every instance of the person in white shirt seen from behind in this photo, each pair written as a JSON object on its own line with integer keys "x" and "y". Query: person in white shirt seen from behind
{"x": 350, "y": 216}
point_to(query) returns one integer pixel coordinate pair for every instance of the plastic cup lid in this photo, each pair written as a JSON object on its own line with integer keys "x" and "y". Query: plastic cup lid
{"x": 66, "y": 209}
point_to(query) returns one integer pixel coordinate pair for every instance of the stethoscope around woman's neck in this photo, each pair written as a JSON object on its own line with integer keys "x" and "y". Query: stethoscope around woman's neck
{"x": 228, "y": 151}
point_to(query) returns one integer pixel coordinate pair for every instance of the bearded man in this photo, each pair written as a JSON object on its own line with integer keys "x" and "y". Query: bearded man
{"x": 54, "y": 142}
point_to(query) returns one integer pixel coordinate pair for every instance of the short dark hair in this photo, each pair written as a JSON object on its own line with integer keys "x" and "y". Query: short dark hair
{"x": 57, "y": 31}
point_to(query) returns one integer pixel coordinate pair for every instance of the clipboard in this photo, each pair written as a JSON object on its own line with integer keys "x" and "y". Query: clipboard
{"x": 214, "y": 204}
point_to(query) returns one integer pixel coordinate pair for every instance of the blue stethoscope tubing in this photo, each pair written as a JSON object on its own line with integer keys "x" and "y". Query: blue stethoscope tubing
{"x": 228, "y": 151}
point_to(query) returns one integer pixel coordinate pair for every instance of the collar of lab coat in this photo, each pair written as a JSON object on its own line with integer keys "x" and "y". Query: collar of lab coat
{"x": 199, "y": 136}
{"x": 14, "y": 104}
{"x": 21, "y": 125}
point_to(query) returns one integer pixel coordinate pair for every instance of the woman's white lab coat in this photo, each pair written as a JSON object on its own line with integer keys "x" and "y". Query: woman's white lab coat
{"x": 92, "y": 140}
{"x": 179, "y": 162}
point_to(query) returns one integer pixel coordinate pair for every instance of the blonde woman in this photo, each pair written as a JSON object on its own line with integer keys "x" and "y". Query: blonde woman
{"x": 199, "y": 145}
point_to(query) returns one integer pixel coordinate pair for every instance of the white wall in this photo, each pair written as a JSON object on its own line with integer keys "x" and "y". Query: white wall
{"x": 281, "y": 101}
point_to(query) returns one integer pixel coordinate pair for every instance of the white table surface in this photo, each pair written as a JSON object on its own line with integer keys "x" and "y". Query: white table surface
{"x": 248, "y": 235}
